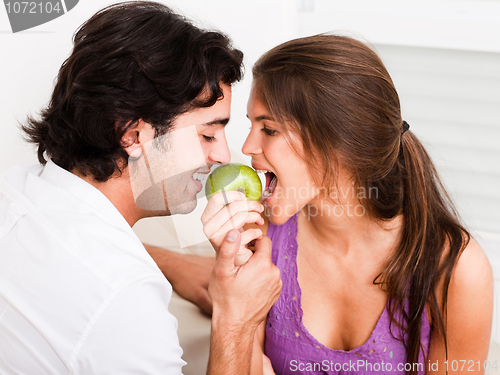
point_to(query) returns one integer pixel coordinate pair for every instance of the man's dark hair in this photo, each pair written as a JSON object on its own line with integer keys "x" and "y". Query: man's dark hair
{"x": 130, "y": 61}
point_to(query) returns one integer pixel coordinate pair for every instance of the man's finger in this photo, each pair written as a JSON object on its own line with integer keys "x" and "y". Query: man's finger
{"x": 242, "y": 257}
{"x": 237, "y": 222}
{"x": 233, "y": 216}
{"x": 263, "y": 247}
{"x": 219, "y": 201}
{"x": 228, "y": 249}
{"x": 250, "y": 234}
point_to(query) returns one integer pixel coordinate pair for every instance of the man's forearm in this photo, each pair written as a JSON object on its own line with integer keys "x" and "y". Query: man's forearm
{"x": 230, "y": 349}
{"x": 165, "y": 259}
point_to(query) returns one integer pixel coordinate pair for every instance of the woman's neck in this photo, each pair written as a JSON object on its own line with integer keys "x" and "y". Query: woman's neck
{"x": 327, "y": 227}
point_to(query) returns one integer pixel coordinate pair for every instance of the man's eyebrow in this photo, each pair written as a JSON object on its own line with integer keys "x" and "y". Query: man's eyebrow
{"x": 217, "y": 121}
{"x": 264, "y": 117}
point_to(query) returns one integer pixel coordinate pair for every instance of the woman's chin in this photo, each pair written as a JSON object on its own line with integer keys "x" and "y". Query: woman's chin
{"x": 279, "y": 213}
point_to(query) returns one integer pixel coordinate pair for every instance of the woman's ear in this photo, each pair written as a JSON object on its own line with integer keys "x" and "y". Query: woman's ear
{"x": 136, "y": 137}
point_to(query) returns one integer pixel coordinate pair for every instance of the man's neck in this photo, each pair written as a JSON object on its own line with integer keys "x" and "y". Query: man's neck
{"x": 119, "y": 192}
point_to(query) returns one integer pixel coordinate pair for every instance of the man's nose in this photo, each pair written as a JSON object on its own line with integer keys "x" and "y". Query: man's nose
{"x": 220, "y": 154}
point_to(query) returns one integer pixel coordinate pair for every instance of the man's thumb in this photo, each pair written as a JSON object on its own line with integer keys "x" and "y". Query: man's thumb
{"x": 229, "y": 247}
{"x": 264, "y": 247}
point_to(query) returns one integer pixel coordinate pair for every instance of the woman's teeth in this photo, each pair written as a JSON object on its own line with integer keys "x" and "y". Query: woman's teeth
{"x": 271, "y": 182}
{"x": 262, "y": 175}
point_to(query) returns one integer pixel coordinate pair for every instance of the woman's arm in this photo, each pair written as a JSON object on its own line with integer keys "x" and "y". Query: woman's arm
{"x": 258, "y": 350}
{"x": 470, "y": 313}
{"x": 261, "y": 365}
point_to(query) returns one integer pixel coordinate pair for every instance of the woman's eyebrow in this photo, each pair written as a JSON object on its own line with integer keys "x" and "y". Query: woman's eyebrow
{"x": 264, "y": 117}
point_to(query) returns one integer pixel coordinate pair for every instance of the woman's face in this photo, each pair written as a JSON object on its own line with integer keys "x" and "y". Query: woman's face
{"x": 289, "y": 186}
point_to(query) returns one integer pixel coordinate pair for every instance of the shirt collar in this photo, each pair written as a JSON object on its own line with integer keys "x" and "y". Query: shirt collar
{"x": 85, "y": 192}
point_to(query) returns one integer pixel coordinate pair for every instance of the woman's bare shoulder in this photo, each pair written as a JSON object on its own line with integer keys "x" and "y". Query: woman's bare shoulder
{"x": 469, "y": 310}
{"x": 473, "y": 271}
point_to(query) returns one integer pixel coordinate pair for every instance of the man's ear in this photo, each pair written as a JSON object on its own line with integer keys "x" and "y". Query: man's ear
{"x": 136, "y": 137}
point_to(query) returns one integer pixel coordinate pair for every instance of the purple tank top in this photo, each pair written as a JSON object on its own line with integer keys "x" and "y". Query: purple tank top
{"x": 293, "y": 350}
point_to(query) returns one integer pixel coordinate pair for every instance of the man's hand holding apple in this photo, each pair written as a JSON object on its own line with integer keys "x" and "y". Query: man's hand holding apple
{"x": 233, "y": 191}
{"x": 230, "y": 210}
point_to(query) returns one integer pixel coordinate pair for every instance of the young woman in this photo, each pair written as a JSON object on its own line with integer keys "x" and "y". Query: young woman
{"x": 379, "y": 276}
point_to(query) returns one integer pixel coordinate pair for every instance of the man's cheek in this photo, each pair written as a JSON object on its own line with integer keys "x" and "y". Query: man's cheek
{"x": 164, "y": 169}
{"x": 152, "y": 198}
{"x": 187, "y": 150}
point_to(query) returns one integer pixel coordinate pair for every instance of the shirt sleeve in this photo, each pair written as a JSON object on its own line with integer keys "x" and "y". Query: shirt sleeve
{"x": 134, "y": 334}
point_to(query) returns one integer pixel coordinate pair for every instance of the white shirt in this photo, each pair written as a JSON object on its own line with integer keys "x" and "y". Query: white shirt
{"x": 79, "y": 294}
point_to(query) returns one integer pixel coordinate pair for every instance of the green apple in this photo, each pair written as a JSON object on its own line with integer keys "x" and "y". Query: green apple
{"x": 234, "y": 176}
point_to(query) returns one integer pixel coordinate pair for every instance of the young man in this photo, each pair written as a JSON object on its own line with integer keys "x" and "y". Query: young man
{"x": 138, "y": 109}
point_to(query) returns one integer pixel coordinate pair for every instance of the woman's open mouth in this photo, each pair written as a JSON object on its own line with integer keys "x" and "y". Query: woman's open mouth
{"x": 271, "y": 182}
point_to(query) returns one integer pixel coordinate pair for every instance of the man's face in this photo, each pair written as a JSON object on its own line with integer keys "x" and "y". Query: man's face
{"x": 164, "y": 178}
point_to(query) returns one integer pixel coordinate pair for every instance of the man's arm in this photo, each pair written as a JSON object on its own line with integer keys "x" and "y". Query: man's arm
{"x": 230, "y": 348}
{"x": 132, "y": 333}
{"x": 188, "y": 274}
{"x": 241, "y": 297}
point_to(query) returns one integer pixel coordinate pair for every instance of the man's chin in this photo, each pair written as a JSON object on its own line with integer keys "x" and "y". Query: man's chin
{"x": 184, "y": 208}
{"x": 158, "y": 203}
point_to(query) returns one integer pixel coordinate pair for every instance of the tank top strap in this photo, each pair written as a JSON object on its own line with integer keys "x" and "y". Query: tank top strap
{"x": 283, "y": 239}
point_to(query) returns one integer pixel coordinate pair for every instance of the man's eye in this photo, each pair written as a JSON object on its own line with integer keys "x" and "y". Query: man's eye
{"x": 269, "y": 131}
{"x": 209, "y": 139}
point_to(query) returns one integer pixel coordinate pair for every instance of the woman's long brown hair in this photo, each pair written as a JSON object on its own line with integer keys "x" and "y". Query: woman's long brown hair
{"x": 335, "y": 92}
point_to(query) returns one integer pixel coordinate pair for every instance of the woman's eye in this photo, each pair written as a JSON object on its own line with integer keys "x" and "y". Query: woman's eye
{"x": 269, "y": 131}
{"x": 209, "y": 139}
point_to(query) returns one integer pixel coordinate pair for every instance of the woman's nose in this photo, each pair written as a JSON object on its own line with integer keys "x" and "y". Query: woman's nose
{"x": 251, "y": 145}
